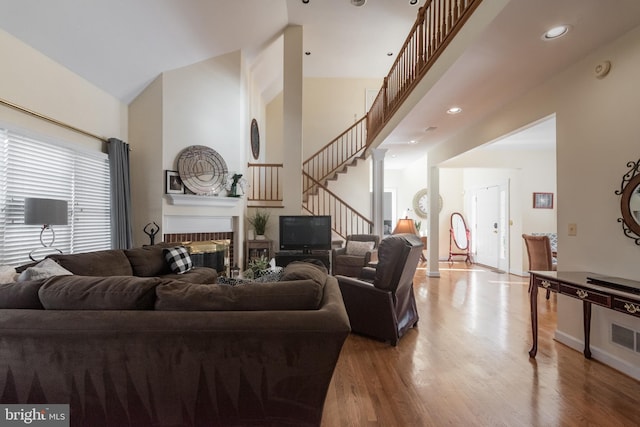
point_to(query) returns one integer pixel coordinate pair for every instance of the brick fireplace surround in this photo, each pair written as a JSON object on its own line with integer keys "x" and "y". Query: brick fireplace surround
{"x": 203, "y": 237}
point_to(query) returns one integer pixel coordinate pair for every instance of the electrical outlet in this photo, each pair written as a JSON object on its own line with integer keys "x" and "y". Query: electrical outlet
{"x": 573, "y": 230}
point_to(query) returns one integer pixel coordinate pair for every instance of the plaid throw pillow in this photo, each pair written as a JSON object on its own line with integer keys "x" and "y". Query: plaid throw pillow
{"x": 178, "y": 259}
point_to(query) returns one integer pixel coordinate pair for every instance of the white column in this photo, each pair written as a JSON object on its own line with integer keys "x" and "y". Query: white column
{"x": 433, "y": 231}
{"x": 292, "y": 120}
{"x": 377, "y": 154}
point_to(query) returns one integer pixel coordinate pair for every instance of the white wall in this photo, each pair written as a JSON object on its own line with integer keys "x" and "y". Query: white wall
{"x": 32, "y": 80}
{"x": 206, "y": 103}
{"x": 526, "y": 171}
{"x": 330, "y": 106}
{"x": 147, "y": 173}
{"x": 597, "y": 134}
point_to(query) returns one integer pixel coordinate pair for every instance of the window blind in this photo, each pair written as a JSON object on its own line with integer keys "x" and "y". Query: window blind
{"x": 33, "y": 168}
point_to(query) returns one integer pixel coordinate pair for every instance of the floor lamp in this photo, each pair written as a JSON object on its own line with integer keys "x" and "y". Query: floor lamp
{"x": 45, "y": 213}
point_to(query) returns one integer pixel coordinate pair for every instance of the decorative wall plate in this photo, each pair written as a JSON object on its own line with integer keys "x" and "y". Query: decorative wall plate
{"x": 255, "y": 139}
{"x": 202, "y": 169}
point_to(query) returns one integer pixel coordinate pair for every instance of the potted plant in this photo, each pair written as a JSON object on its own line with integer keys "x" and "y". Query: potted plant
{"x": 259, "y": 222}
{"x": 257, "y": 267}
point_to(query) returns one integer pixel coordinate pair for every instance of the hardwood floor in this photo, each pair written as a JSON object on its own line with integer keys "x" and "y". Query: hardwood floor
{"x": 467, "y": 364}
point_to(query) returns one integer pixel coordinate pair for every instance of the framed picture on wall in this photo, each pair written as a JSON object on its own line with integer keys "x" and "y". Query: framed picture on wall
{"x": 173, "y": 183}
{"x": 543, "y": 200}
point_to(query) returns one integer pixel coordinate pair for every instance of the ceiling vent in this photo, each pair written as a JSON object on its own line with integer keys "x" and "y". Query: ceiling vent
{"x": 358, "y": 2}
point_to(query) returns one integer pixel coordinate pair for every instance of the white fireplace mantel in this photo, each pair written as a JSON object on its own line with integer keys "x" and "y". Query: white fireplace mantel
{"x": 195, "y": 200}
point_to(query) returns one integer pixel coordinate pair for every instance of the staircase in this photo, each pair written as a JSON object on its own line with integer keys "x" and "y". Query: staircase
{"x": 326, "y": 165}
{"x": 437, "y": 24}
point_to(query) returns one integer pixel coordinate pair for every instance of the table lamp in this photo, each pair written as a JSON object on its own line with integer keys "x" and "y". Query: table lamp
{"x": 405, "y": 225}
{"x": 45, "y": 213}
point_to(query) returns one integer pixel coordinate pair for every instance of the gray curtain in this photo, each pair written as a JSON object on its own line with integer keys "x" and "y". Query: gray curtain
{"x": 121, "y": 237}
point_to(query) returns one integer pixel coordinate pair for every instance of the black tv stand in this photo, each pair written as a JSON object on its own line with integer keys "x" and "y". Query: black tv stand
{"x": 285, "y": 257}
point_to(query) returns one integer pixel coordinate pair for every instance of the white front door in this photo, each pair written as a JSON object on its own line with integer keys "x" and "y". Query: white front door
{"x": 486, "y": 236}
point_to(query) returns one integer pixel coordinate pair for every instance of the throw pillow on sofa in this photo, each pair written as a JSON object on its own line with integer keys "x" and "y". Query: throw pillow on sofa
{"x": 23, "y": 295}
{"x": 110, "y": 262}
{"x": 358, "y": 248}
{"x": 7, "y": 274}
{"x": 43, "y": 270}
{"x": 302, "y": 270}
{"x": 293, "y": 295}
{"x": 99, "y": 293}
{"x": 148, "y": 261}
{"x": 178, "y": 259}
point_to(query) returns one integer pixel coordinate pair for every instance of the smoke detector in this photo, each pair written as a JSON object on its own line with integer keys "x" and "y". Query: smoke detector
{"x": 358, "y": 2}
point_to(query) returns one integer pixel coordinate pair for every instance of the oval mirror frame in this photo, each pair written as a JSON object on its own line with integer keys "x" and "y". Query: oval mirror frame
{"x": 630, "y": 185}
{"x": 459, "y": 230}
{"x": 625, "y": 208}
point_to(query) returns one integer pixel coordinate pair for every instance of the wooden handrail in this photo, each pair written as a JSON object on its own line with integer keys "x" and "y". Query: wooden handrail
{"x": 438, "y": 21}
{"x": 437, "y": 24}
{"x": 336, "y": 155}
{"x": 345, "y": 219}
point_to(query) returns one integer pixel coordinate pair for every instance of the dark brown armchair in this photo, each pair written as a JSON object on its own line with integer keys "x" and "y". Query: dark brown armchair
{"x": 540, "y": 255}
{"x": 381, "y": 303}
{"x": 358, "y": 251}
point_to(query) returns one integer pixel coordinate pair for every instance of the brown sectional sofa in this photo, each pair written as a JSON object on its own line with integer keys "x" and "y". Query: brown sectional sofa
{"x": 158, "y": 351}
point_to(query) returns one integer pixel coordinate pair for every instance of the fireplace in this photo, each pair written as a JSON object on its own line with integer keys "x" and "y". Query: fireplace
{"x": 213, "y": 250}
{"x": 210, "y": 239}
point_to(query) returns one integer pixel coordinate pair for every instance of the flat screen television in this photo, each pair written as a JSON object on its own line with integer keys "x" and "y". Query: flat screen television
{"x": 305, "y": 233}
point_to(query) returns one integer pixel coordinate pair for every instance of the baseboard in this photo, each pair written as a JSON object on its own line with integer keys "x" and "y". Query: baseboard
{"x": 599, "y": 355}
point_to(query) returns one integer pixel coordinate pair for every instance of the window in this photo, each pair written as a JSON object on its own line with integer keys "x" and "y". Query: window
{"x": 32, "y": 168}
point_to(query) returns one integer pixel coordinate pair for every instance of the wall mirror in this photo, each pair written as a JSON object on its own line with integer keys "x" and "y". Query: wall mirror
{"x": 459, "y": 238}
{"x": 630, "y": 202}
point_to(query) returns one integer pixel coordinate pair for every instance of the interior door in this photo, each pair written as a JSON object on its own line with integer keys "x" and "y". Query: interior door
{"x": 486, "y": 236}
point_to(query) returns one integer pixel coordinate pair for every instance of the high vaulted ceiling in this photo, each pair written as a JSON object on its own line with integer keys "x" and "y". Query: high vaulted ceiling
{"x": 122, "y": 45}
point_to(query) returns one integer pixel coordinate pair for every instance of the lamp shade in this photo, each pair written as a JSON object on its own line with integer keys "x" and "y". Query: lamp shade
{"x": 405, "y": 225}
{"x": 45, "y": 212}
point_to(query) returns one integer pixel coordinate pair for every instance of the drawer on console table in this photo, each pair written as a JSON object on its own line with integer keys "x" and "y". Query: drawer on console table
{"x": 626, "y": 306}
{"x": 585, "y": 295}
{"x": 546, "y": 283}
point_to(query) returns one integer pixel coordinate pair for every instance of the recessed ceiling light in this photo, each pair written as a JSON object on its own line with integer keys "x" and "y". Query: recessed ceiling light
{"x": 413, "y": 2}
{"x": 358, "y": 2}
{"x": 389, "y": 53}
{"x": 307, "y": 53}
{"x": 413, "y": 141}
{"x": 556, "y": 32}
{"x": 454, "y": 110}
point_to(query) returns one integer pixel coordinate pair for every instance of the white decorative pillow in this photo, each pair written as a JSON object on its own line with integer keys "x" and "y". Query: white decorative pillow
{"x": 359, "y": 248}
{"x": 178, "y": 259}
{"x": 7, "y": 274}
{"x": 43, "y": 270}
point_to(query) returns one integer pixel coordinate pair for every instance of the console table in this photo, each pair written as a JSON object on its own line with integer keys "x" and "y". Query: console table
{"x": 256, "y": 249}
{"x": 283, "y": 258}
{"x": 614, "y": 293}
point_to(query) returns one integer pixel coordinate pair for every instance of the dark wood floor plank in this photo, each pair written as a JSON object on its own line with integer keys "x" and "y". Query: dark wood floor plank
{"x": 467, "y": 364}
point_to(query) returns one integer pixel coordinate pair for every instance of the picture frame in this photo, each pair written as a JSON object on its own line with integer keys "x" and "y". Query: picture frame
{"x": 543, "y": 200}
{"x": 173, "y": 183}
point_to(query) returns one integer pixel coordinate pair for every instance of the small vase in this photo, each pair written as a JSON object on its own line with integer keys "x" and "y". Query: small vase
{"x": 260, "y": 237}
